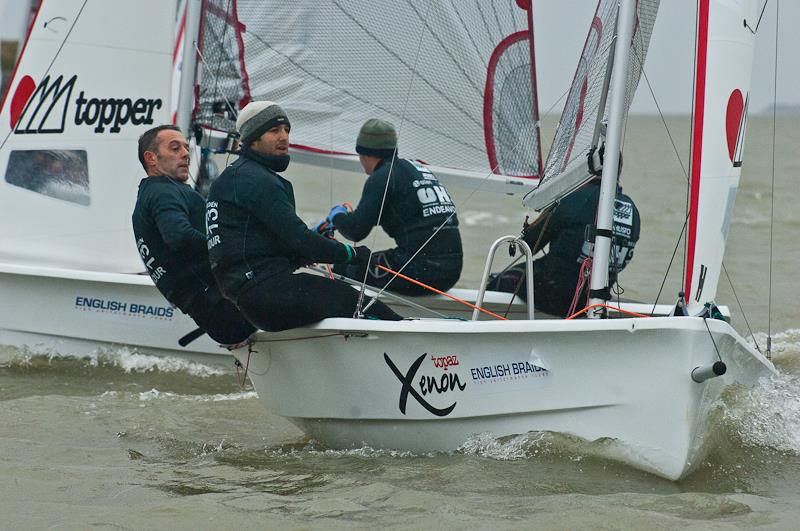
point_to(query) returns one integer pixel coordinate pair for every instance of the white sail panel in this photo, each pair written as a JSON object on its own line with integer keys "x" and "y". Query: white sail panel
{"x": 456, "y": 78}
{"x": 587, "y": 105}
{"x": 722, "y": 85}
{"x": 86, "y": 86}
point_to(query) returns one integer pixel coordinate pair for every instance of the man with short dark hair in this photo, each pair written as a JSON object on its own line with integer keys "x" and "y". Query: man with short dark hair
{"x": 412, "y": 206}
{"x": 256, "y": 241}
{"x": 169, "y": 226}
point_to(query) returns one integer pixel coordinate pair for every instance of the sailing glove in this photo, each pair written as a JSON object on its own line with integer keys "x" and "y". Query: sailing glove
{"x": 335, "y": 211}
{"x": 323, "y": 228}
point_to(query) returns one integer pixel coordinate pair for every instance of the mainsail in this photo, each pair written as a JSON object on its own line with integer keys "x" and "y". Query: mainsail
{"x": 586, "y": 107}
{"x": 456, "y": 78}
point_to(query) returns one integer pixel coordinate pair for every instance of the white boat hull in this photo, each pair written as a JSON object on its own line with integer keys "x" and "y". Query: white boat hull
{"x": 76, "y": 312}
{"x": 79, "y": 312}
{"x": 350, "y": 383}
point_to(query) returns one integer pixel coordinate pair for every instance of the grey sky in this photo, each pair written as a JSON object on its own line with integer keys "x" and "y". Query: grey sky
{"x": 561, "y": 27}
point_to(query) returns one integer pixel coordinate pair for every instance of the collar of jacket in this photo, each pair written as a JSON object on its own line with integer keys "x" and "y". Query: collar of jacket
{"x": 383, "y": 162}
{"x": 277, "y": 163}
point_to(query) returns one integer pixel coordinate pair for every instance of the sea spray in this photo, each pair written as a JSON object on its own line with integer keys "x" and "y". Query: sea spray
{"x": 123, "y": 358}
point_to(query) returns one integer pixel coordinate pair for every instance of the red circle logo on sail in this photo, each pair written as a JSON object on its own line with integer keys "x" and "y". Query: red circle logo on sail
{"x": 734, "y": 122}
{"x": 25, "y": 88}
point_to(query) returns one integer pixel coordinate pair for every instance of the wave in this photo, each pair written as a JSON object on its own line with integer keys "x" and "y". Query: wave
{"x": 767, "y": 416}
{"x": 123, "y": 358}
{"x": 155, "y": 394}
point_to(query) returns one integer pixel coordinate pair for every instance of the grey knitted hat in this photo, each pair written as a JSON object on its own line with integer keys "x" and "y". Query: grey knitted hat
{"x": 377, "y": 138}
{"x": 257, "y": 118}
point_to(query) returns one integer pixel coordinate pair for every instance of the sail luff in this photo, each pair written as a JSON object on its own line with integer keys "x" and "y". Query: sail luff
{"x": 534, "y": 91}
{"x": 722, "y": 86}
{"x": 697, "y": 139}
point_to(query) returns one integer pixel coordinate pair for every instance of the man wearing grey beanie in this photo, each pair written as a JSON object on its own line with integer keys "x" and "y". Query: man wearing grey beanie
{"x": 414, "y": 209}
{"x": 256, "y": 241}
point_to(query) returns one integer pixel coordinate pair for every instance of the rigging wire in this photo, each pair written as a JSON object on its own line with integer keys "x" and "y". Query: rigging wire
{"x": 772, "y": 187}
{"x": 669, "y": 266}
{"x": 705, "y": 322}
{"x": 685, "y": 175}
{"x": 359, "y": 304}
{"x": 753, "y": 31}
{"x": 691, "y": 148}
{"x": 741, "y": 309}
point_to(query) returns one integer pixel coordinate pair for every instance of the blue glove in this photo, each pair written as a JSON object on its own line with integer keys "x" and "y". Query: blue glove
{"x": 324, "y": 228}
{"x": 335, "y": 211}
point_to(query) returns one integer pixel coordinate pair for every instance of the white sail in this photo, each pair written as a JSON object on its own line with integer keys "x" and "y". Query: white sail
{"x": 457, "y": 78}
{"x": 92, "y": 77}
{"x": 722, "y": 84}
{"x": 587, "y": 105}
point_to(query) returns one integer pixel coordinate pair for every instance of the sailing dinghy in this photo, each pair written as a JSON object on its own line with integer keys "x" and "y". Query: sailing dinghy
{"x": 91, "y": 77}
{"x": 462, "y": 89}
{"x": 643, "y": 384}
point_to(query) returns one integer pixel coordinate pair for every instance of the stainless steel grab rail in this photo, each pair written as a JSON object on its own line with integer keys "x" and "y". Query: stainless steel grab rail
{"x": 487, "y": 268}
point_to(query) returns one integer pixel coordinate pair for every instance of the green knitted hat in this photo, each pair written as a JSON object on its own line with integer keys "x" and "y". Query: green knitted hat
{"x": 377, "y": 138}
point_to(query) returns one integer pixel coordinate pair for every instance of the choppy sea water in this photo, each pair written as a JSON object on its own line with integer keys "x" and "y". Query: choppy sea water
{"x": 124, "y": 440}
{"x": 112, "y": 442}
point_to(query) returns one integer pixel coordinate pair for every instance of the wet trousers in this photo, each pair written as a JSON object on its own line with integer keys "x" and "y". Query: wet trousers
{"x": 219, "y": 318}
{"x": 441, "y": 273}
{"x": 288, "y": 301}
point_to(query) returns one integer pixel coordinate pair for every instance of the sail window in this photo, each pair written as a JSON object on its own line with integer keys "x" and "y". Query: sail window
{"x": 57, "y": 173}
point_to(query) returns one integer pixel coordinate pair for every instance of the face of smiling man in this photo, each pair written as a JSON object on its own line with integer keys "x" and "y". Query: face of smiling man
{"x": 171, "y": 157}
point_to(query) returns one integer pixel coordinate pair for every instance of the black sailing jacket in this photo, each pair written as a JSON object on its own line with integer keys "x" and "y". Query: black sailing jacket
{"x": 416, "y": 204}
{"x": 253, "y": 230}
{"x": 169, "y": 226}
{"x": 566, "y": 231}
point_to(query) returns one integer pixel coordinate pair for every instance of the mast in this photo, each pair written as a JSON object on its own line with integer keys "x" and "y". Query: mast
{"x": 188, "y": 65}
{"x": 598, "y": 289}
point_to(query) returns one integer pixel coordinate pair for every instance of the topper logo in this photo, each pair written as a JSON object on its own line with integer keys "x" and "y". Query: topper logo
{"x": 44, "y": 108}
{"x": 46, "y": 100}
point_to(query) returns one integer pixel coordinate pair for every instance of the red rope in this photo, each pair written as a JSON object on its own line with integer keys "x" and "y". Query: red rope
{"x": 580, "y": 284}
{"x": 620, "y": 310}
{"x": 431, "y": 288}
